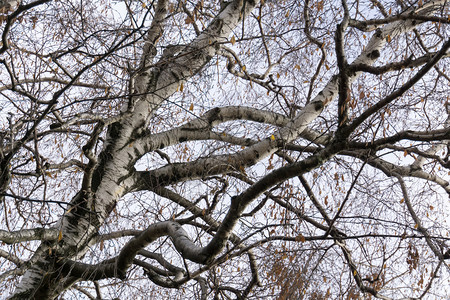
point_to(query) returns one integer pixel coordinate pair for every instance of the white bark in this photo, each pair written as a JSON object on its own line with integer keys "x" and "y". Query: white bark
{"x": 293, "y": 130}
{"x": 43, "y": 234}
{"x": 114, "y": 175}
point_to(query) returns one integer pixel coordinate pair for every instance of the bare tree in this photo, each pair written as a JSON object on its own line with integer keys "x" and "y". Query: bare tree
{"x": 224, "y": 149}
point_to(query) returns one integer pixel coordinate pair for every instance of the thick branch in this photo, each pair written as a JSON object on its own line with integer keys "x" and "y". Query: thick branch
{"x": 43, "y": 234}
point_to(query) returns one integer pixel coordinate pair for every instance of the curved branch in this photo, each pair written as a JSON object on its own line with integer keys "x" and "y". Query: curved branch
{"x": 118, "y": 266}
{"x": 203, "y": 124}
{"x": 12, "y": 17}
{"x": 157, "y": 276}
{"x": 201, "y": 129}
{"x": 240, "y": 202}
{"x": 160, "y": 259}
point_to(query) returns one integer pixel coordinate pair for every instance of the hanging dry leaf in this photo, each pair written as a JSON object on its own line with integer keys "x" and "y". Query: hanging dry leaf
{"x": 233, "y": 40}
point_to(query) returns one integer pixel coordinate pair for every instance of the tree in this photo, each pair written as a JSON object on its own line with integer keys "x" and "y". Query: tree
{"x": 243, "y": 149}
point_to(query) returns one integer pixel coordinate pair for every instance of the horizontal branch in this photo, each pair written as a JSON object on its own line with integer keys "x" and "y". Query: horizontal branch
{"x": 204, "y": 123}
{"x": 389, "y": 169}
{"x": 24, "y": 235}
{"x": 396, "y": 66}
{"x": 52, "y": 79}
{"x": 418, "y": 136}
{"x": 370, "y": 25}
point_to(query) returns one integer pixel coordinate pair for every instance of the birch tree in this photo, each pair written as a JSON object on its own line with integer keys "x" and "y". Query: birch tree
{"x": 224, "y": 149}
